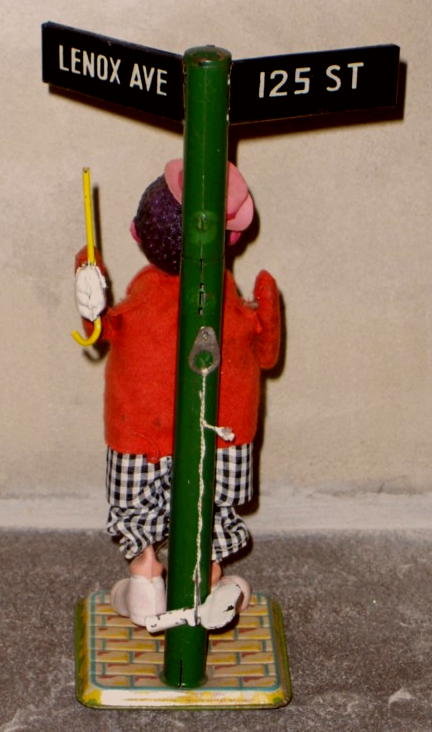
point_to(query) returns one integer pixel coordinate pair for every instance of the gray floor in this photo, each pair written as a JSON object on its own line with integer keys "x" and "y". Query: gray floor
{"x": 358, "y": 614}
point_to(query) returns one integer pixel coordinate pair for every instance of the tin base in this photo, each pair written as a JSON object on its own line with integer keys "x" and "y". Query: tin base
{"x": 119, "y": 665}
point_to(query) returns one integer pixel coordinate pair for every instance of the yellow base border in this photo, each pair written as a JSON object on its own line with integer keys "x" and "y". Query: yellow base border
{"x": 119, "y": 665}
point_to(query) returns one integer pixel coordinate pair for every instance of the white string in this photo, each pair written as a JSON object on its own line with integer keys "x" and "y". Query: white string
{"x": 197, "y": 570}
{"x": 226, "y": 434}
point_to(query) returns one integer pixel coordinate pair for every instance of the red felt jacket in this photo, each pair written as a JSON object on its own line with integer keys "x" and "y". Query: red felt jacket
{"x": 140, "y": 372}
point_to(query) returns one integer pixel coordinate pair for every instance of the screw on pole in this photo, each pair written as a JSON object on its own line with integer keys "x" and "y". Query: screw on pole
{"x": 201, "y": 291}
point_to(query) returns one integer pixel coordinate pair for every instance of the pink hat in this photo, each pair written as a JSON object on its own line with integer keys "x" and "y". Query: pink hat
{"x": 239, "y": 202}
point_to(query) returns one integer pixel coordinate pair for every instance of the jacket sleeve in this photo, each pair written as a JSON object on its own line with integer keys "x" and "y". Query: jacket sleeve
{"x": 267, "y": 296}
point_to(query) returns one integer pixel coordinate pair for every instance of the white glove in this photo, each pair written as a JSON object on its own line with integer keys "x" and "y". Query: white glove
{"x": 90, "y": 286}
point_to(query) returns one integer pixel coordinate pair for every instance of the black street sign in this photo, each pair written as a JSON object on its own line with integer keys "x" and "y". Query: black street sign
{"x": 297, "y": 85}
{"x": 114, "y": 71}
{"x": 267, "y": 88}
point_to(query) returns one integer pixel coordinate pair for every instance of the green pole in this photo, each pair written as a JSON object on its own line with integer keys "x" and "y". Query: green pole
{"x": 201, "y": 291}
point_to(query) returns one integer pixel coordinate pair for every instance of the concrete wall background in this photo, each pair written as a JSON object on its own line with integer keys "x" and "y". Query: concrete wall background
{"x": 344, "y": 225}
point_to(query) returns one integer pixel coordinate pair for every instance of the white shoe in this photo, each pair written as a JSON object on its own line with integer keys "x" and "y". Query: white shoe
{"x": 244, "y": 586}
{"x": 227, "y": 598}
{"x": 220, "y": 606}
{"x": 137, "y": 597}
{"x": 118, "y": 597}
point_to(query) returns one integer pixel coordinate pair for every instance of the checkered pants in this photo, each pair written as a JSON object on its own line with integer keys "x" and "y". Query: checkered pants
{"x": 139, "y": 496}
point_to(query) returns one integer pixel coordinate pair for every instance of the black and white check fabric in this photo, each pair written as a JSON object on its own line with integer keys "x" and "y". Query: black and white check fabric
{"x": 139, "y": 496}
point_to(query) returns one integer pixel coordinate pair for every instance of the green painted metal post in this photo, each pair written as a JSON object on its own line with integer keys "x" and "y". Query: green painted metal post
{"x": 201, "y": 291}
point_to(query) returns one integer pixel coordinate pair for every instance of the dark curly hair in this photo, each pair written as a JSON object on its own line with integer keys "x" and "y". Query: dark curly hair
{"x": 158, "y": 224}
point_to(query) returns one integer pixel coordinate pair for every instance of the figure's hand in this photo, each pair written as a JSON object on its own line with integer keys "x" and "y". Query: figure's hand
{"x": 268, "y": 312}
{"x": 90, "y": 287}
{"x": 266, "y": 293}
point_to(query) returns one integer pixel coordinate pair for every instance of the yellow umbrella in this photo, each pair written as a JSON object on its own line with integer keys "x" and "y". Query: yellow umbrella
{"x": 91, "y": 260}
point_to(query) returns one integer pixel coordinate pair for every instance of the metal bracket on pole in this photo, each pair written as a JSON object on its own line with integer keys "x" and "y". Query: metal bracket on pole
{"x": 205, "y": 355}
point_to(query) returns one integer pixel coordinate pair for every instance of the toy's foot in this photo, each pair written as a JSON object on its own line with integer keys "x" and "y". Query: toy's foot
{"x": 227, "y": 598}
{"x": 118, "y": 597}
{"x": 220, "y": 606}
{"x": 244, "y": 586}
{"x": 137, "y": 597}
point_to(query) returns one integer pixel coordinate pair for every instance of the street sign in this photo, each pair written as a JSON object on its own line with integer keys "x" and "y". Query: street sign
{"x": 114, "y": 71}
{"x": 266, "y": 88}
{"x": 297, "y": 85}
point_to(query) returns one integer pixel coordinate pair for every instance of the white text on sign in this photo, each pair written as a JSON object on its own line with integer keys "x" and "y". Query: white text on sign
{"x": 276, "y": 83}
{"x": 105, "y": 68}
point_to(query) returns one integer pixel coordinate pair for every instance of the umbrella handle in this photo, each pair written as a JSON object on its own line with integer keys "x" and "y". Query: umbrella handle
{"x": 91, "y": 259}
{"x": 97, "y": 329}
